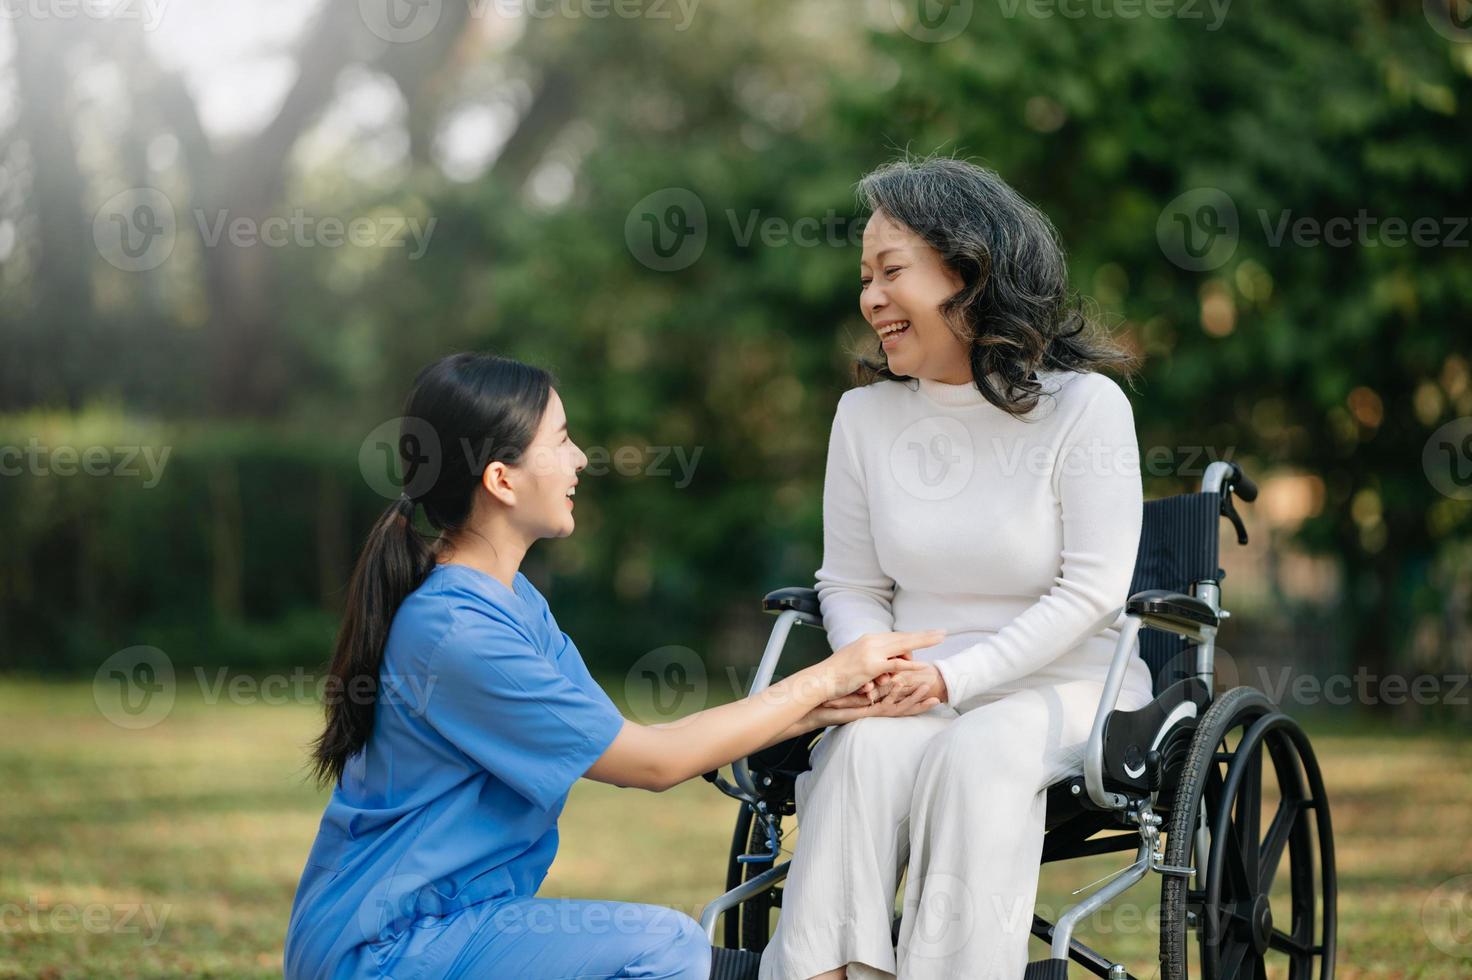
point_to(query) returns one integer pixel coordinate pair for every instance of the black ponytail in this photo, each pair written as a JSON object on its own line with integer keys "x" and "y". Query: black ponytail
{"x": 465, "y": 411}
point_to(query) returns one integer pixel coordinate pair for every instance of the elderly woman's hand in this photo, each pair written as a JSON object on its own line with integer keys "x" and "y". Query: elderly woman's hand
{"x": 913, "y": 702}
{"x": 895, "y": 687}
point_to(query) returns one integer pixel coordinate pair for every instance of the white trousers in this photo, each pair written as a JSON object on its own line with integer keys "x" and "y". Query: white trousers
{"x": 961, "y": 799}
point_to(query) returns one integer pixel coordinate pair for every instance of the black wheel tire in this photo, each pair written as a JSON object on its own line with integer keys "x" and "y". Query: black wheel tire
{"x": 1241, "y": 709}
{"x": 736, "y": 873}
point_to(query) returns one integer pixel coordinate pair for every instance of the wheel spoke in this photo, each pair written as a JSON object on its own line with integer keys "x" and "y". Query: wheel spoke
{"x": 1239, "y": 881}
{"x": 1241, "y": 912}
{"x": 1285, "y": 943}
{"x": 1281, "y": 828}
{"x": 1305, "y": 890}
{"x": 1249, "y": 814}
{"x": 1234, "y": 963}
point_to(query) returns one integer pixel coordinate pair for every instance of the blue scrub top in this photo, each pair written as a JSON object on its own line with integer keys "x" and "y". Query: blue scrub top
{"x": 486, "y": 715}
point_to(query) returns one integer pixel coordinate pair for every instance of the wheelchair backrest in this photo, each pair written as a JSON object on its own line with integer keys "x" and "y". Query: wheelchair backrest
{"x": 1178, "y": 548}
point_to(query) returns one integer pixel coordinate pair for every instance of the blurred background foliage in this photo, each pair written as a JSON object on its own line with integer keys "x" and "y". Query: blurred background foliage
{"x": 530, "y": 142}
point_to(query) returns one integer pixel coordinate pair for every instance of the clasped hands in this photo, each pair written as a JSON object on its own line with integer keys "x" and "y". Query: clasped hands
{"x": 907, "y": 687}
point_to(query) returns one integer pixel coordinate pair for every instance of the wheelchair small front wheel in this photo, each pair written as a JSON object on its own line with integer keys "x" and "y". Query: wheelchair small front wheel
{"x": 756, "y": 912}
{"x": 1254, "y": 914}
{"x": 748, "y": 925}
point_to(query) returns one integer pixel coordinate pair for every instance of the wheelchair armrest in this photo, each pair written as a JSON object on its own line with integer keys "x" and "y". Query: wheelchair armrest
{"x": 802, "y": 601}
{"x": 1164, "y": 608}
{"x": 1174, "y": 612}
{"x": 1129, "y": 628}
{"x": 791, "y": 605}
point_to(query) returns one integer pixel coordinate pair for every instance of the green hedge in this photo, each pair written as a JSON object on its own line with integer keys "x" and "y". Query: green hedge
{"x": 220, "y": 545}
{"x": 238, "y": 556}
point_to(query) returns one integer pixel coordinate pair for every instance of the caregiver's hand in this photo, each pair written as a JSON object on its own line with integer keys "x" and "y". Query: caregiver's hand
{"x": 851, "y": 669}
{"x": 659, "y": 756}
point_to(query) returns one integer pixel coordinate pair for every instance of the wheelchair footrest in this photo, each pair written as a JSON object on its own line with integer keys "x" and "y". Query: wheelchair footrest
{"x": 734, "y": 964}
{"x": 1046, "y": 970}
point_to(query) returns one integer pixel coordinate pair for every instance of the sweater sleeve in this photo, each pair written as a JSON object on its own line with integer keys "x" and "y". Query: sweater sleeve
{"x": 853, "y": 591}
{"x": 1096, "y": 478}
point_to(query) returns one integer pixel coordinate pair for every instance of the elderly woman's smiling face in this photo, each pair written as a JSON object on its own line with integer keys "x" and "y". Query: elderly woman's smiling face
{"x": 904, "y": 282}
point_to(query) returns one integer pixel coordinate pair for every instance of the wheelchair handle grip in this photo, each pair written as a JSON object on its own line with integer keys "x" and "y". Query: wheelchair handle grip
{"x": 1242, "y": 484}
{"x": 1227, "y": 478}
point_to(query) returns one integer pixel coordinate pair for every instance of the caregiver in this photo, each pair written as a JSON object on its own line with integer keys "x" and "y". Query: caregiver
{"x": 983, "y": 479}
{"x": 466, "y": 715}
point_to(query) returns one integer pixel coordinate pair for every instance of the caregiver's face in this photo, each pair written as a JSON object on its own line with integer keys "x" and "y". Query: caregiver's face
{"x": 547, "y": 476}
{"x": 904, "y": 280}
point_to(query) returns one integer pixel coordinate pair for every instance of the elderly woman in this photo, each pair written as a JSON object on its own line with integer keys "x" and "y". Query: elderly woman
{"x": 983, "y": 479}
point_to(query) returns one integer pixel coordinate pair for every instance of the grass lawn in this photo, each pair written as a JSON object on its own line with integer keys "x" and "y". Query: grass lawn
{"x": 174, "y": 851}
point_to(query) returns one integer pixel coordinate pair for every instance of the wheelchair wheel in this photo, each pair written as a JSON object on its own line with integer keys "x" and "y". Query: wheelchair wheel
{"x": 748, "y": 926}
{"x": 1243, "y": 895}
{"x": 756, "y": 912}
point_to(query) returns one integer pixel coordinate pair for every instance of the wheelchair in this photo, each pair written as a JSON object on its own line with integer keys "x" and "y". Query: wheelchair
{"x": 1187, "y": 767}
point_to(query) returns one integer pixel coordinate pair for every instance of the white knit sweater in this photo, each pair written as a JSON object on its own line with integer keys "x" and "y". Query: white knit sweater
{"x": 1017, "y": 536}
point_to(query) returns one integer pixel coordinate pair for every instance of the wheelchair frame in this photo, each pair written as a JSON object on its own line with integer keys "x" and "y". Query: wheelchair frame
{"x": 1194, "y": 617}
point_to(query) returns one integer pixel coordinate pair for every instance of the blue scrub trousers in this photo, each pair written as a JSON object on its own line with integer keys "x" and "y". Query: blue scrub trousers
{"x": 551, "y": 939}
